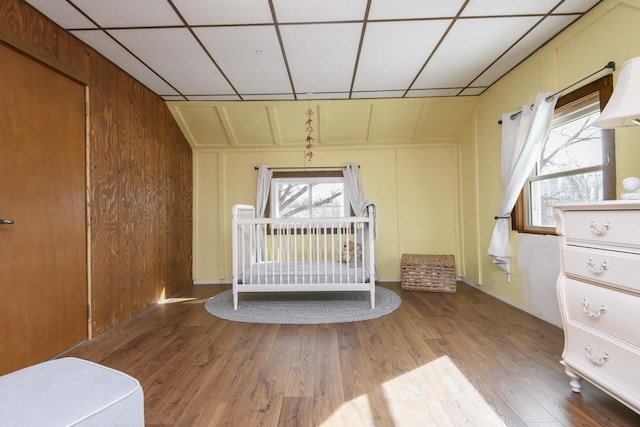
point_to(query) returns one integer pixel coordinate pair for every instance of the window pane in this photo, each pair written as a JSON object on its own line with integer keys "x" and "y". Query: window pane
{"x": 306, "y": 197}
{"x": 292, "y": 200}
{"x": 573, "y": 144}
{"x": 328, "y": 200}
{"x": 573, "y": 188}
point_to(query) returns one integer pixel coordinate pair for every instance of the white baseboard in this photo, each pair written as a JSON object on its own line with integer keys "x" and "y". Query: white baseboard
{"x": 212, "y": 282}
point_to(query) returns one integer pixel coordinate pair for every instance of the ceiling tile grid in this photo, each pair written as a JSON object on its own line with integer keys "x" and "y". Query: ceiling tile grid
{"x": 300, "y": 49}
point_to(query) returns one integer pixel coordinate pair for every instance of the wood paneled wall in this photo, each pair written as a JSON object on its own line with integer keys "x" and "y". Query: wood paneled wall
{"x": 140, "y": 175}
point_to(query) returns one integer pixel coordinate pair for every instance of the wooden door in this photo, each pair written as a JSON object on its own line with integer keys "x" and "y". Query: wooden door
{"x": 43, "y": 265}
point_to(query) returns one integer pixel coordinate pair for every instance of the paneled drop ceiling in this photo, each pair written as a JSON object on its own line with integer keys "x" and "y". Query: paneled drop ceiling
{"x": 235, "y": 50}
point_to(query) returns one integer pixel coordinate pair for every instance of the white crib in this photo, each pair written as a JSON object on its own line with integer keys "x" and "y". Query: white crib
{"x": 301, "y": 254}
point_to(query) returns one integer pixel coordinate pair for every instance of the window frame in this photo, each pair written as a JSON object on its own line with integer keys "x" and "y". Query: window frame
{"x": 601, "y": 88}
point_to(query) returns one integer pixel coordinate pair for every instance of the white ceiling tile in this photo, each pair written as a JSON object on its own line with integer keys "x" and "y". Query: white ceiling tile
{"x": 507, "y": 7}
{"x": 251, "y": 56}
{"x": 469, "y": 48}
{"x": 393, "y": 52}
{"x": 62, "y": 13}
{"x": 529, "y": 44}
{"x": 128, "y": 13}
{"x": 426, "y": 93}
{"x": 321, "y": 57}
{"x": 378, "y": 94}
{"x": 220, "y": 12}
{"x": 104, "y": 44}
{"x": 319, "y": 11}
{"x": 173, "y": 98}
{"x": 175, "y": 55}
{"x": 572, "y": 6}
{"x": 394, "y": 9}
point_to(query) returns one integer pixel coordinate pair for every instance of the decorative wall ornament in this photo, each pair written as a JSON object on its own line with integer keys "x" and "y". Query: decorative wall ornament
{"x": 310, "y": 139}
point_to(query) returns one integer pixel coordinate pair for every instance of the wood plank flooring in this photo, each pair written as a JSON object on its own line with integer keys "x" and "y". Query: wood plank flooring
{"x": 463, "y": 359}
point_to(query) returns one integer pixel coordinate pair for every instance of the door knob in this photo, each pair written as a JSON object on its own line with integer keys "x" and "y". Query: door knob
{"x": 6, "y": 221}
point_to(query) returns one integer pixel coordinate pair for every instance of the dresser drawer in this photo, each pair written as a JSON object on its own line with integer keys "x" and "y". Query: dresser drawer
{"x": 611, "y": 366}
{"x": 614, "y": 227}
{"x": 614, "y": 313}
{"x": 619, "y": 269}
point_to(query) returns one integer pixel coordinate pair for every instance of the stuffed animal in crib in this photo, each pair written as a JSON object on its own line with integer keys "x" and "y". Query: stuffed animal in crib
{"x": 352, "y": 254}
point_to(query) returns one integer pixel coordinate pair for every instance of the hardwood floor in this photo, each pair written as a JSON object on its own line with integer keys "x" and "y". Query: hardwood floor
{"x": 439, "y": 360}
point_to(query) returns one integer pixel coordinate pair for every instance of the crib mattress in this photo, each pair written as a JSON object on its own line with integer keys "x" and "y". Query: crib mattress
{"x": 303, "y": 273}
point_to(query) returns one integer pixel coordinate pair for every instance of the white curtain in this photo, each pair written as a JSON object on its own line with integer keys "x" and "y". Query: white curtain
{"x": 351, "y": 173}
{"x": 265, "y": 173}
{"x": 264, "y": 186}
{"x": 523, "y": 139}
{"x": 359, "y": 204}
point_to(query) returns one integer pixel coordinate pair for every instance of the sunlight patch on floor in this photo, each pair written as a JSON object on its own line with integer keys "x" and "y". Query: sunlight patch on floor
{"x": 435, "y": 394}
{"x": 354, "y": 413}
{"x": 176, "y": 300}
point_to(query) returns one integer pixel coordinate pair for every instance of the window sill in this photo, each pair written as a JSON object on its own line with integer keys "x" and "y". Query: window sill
{"x": 539, "y": 230}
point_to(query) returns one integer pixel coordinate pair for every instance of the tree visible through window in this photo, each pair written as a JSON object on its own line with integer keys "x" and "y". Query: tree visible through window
{"x": 308, "y": 196}
{"x": 570, "y": 165}
{"x": 577, "y": 163}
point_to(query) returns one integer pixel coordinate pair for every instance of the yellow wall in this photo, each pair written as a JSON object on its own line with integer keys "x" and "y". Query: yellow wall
{"x": 415, "y": 188}
{"x": 609, "y": 32}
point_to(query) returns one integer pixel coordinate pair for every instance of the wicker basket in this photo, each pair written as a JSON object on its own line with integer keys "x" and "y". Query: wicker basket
{"x": 434, "y": 273}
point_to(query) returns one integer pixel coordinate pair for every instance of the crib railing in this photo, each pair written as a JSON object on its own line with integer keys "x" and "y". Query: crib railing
{"x": 322, "y": 248}
{"x": 317, "y": 249}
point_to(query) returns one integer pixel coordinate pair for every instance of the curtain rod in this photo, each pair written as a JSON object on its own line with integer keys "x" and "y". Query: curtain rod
{"x": 303, "y": 167}
{"x": 610, "y": 65}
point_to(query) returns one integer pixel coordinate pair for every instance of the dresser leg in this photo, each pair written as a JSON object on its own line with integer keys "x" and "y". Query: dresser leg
{"x": 575, "y": 382}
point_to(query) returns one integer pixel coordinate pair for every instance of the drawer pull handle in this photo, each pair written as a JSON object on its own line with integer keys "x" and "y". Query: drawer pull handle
{"x": 604, "y": 265}
{"x": 600, "y": 231}
{"x": 585, "y": 307}
{"x": 597, "y": 361}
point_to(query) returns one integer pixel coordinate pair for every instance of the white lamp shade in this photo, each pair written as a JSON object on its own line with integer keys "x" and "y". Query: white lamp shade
{"x": 624, "y": 106}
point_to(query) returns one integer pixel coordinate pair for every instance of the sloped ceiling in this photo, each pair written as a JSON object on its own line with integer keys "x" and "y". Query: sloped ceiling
{"x": 257, "y": 124}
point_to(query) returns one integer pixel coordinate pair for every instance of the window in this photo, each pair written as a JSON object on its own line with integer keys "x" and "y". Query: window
{"x": 577, "y": 162}
{"x": 308, "y": 195}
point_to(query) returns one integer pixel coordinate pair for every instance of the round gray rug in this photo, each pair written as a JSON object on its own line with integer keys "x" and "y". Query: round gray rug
{"x": 300, "y": 308}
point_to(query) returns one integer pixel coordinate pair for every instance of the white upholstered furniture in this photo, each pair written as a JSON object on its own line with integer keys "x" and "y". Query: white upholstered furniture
{"x": 70, "y": 392}
{"x": 599, "y": 296}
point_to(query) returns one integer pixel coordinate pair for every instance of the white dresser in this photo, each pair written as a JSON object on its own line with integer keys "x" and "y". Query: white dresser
{"x": 599, "y": 296}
